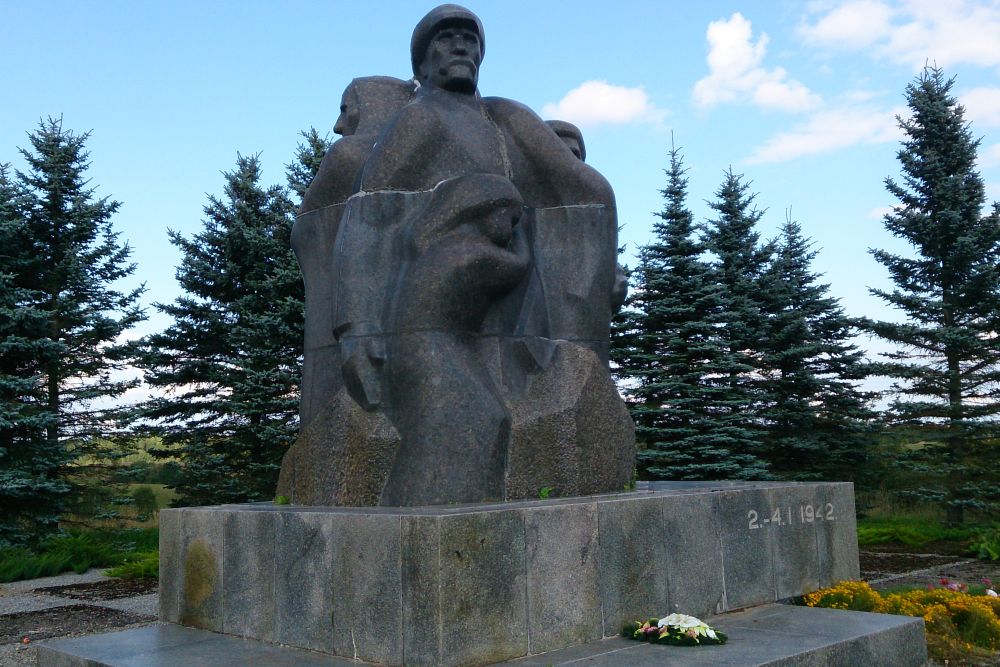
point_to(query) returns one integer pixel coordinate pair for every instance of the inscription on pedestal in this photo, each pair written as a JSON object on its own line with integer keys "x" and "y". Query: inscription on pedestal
{"x": 784, "y": 516}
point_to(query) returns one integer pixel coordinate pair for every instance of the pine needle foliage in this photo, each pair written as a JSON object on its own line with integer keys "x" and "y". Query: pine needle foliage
{"x": 818, "y": 423}
{"x": 946, "y": 366}
{"x": 228, "y": 367}
{"x": 62, "y": 319}
{"x": 738, "y": 262}
{"x": 670, "y": 348}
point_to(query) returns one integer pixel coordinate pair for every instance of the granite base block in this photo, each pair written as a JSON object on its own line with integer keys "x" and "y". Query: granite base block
{"x": 482, "y": 583}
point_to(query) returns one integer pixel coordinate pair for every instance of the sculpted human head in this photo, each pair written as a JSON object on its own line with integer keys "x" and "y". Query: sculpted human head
{"x": 350, "y": 112}
{"x": 571, "y": 136}
{"x": 447, "y": 49}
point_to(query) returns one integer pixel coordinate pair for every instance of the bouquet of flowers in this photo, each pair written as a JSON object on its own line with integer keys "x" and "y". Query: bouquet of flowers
{"x": 677, "y": 629}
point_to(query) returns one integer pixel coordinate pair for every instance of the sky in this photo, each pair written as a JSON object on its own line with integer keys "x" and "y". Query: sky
{"x": 799, "y": 97}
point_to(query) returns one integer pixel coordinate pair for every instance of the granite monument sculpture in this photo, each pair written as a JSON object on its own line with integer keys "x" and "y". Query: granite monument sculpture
{"x": 460, "y": 267}
{"x": 459, "y": 262}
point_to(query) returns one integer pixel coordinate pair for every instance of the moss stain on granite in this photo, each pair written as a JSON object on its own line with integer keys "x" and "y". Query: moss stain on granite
{"x": 200, "y": 579}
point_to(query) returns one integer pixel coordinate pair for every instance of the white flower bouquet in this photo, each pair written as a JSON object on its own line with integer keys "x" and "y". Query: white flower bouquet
{"x": 677, "y": 629}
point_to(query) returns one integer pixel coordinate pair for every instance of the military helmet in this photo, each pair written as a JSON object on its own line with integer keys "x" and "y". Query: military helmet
{"x": 427, "y": 27}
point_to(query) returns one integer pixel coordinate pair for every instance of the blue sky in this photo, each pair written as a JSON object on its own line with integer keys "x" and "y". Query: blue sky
{"x": 798, "y": 96}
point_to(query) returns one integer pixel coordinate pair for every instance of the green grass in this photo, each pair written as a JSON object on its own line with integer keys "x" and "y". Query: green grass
{"x": 141, "y": 564}
{"x": 78, "y": 551}
{"x": 910, "y": 530}
{"x": 973, "y": 588}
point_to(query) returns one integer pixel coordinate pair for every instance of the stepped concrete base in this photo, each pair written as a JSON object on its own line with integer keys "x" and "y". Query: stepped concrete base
{"x": 772, "y": 635}
{"x": 478, "y": 584}
{"x": 769, "y": 635}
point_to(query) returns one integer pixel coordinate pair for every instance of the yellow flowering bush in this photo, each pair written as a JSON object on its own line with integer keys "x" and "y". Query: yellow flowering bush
{"x": 955, "y": 621}
{"x": 853, "y": 595}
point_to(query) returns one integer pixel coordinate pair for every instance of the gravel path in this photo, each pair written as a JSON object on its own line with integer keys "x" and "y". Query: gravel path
{"x": 90, "y": 576}
{"x": 19, "y": 596}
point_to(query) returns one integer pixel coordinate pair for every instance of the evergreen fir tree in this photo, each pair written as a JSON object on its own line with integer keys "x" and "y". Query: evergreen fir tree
{"x": 62, "y": 320}
{"x": 229, "y": 365}
{"x": 31, "y": 484}
{"x": 817, "y": 419}
{"x": 739, "y": 261}
{"x": 308, "y": 156}
{"x": 670, "y": 349}
{"x": 947, "y": 366}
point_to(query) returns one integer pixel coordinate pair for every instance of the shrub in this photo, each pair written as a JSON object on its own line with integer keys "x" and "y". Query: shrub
{"x": 986, "y": 544}
{"x": 78, "y": 551}
{"x": 956, "y": 622}
{"x": 853, "y": 595}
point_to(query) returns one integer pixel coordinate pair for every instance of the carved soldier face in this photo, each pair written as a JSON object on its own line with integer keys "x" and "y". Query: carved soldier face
{"x": 350, "y": 113}
{"x": 452, "y": 59}
{"x": 573, "y": 144}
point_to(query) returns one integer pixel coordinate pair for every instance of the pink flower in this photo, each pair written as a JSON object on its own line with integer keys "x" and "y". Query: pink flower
{"x": 691, "y": 632}
{"x": 989, "y": 584}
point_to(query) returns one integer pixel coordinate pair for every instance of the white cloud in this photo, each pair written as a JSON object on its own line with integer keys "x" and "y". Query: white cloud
{"x": 989, "y": 156}
{"x": 829, "y": 130}
{"x": 912, "y": 32}
{"x": 599, "y": 102}
{"x": 982, "y": 105}
{"x": 736, "y": 73}
{"x": 854, "y": 24}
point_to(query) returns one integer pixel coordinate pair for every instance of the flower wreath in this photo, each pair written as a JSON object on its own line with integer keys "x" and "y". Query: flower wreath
{"x": 677, "y": 629}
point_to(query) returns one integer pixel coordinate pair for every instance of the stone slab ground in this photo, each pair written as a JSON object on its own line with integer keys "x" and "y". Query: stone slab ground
{"x": 769, "y": 635}
{"x": 69, "y": 605}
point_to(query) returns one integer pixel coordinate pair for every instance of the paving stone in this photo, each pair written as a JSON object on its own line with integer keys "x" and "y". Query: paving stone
{"x": 168, "y": 645}
{"x": 769, "y": 635}
{"x": 772, "y": 636}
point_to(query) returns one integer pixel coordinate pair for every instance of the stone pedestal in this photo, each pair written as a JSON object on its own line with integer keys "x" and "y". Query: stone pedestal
{"x": 483, "y": 583}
